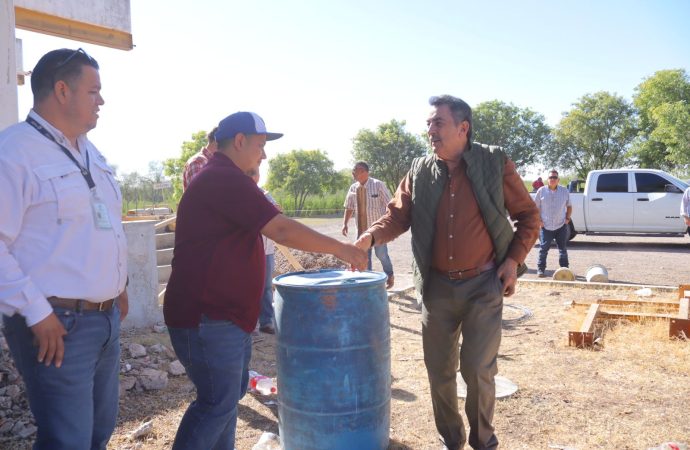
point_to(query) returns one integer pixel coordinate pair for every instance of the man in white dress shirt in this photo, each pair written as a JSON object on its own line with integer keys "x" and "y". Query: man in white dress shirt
{"x": 63, "y": 257}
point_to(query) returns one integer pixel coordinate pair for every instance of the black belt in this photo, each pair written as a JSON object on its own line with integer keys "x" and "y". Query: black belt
{"x": 81, "y": 305}
{"x": 469, "y": 273}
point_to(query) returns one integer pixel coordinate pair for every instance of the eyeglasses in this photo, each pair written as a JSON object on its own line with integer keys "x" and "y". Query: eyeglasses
{"x": 71, "y": 56}
{"x": 553, "y": 178}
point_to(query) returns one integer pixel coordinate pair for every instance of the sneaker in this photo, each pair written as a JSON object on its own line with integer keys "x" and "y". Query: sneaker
{"x": 540, "y": 273}
{"x": 268, "y": 329}
{"x": 390, "y": 282}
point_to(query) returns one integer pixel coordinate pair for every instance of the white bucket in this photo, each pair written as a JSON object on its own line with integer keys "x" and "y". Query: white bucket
{"x": 597, "y": 274}
{"x": 563, "y": 274}
{"x": 504, "y": 387}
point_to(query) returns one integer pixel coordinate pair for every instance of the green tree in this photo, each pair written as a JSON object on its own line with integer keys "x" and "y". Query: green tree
{"x": 301, "y": 173}
{"x": 663, "y": 102}
{"x": 389, "y": 151}
{"x": 523, "y": 133}
{"x": 174, "y": 167}
{"x": 595, "y": 134}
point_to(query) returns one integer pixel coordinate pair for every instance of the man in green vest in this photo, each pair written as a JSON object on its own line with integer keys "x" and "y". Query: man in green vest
{"x": 467, "y": 257}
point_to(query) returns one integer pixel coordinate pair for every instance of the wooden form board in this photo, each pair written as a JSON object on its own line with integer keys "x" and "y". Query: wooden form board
{"x": 289, "y": 256}
{"x": 102, "y": 22}
{"x": 677, "y": 313}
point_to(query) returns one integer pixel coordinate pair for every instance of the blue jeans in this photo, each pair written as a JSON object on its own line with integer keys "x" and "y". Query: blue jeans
{"x": 266, "y": 315}
{"x": 216, "y": 357}
{"x": 75, "y": 406}
{"x": 545, "y": 238}
{"x": 382, "y": 254}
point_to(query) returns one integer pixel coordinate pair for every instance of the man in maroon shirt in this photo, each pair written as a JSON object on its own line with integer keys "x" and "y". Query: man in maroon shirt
{"x": 212, "y": 300}
{"x": 466, "y": 260}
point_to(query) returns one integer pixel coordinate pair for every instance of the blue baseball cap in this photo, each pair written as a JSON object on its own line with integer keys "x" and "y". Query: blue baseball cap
{"x": 243, "y": 122}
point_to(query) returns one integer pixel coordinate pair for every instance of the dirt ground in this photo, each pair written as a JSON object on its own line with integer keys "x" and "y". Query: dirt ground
{"x": 628, "y": 393}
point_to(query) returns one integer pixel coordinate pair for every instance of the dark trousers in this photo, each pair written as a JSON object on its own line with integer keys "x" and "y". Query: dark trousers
{"x": 471, "y": 308}
{"x": 545, "y": 238}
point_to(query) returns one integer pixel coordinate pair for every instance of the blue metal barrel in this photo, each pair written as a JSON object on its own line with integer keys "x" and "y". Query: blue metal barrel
{"x": 333, "y": 354}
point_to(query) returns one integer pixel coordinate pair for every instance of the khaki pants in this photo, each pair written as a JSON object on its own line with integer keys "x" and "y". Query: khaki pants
{"x": 474, "y": 309}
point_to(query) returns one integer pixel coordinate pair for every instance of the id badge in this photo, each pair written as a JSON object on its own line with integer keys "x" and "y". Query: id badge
{"x": 100, "y": 214}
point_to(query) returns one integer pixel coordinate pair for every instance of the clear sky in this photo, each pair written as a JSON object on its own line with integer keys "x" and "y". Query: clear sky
{"x": 319, "y": 71}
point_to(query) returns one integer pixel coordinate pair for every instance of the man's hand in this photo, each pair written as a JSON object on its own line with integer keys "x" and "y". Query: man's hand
{"x": 687, "y": 220}
{"x": 507, "y": 273}
{"x": 355, "y": 256}
{"x": 123, "y": 303}
{"x": 345, "y": 229}
{"x": 364, "y": 242}
{"x": 48, "y": 335}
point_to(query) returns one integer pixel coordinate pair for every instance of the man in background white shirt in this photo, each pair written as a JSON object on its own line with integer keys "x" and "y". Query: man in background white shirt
{"x": 63, "y": 257}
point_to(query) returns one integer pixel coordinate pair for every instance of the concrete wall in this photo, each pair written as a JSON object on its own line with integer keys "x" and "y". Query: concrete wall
{"x": 8, "y": 66}
{"x": 114, "y": 14}
{"x": 144, "y": 310}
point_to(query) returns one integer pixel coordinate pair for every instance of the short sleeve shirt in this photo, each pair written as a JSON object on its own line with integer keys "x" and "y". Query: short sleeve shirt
{"x": 218, "y": 262}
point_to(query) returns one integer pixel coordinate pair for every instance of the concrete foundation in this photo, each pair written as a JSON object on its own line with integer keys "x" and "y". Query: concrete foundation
{"x": 144, "y": 310}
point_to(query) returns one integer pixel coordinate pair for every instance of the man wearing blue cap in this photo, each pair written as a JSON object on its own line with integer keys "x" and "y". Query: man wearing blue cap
{"x": 212, "y": 300}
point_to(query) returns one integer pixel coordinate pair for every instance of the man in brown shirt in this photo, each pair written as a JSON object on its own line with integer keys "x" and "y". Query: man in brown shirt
{"x": 466, "y": 267}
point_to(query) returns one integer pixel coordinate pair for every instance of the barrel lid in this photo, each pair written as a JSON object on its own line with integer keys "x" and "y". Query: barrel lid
{"x": 328, "y": 277}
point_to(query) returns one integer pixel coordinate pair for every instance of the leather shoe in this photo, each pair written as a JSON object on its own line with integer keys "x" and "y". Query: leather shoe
{"x": 268, "y": 329}
{"x": 390, "y": 282}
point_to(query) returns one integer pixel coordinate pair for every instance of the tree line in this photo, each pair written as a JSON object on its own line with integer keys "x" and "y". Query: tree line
{"x": 602, "y": 130}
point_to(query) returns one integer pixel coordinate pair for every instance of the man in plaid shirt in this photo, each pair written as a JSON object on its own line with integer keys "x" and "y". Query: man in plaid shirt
{"x": 377, "y": 198}
{"x": 197, "y": 162}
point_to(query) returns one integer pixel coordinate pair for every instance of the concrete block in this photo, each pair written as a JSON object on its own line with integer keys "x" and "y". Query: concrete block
{"x": 144, "y": 310}
{"x": 164, "y": 273}
{"x": 164, "y": 256}
{"x": 165, "y": 240}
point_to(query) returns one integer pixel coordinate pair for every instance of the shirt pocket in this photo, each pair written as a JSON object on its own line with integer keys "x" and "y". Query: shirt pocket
{"x": 65, "y": 185}
{"x": 106, "y": 177}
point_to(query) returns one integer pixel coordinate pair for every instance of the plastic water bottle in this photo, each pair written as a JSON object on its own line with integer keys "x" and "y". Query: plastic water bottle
{"x": 268, "y": 441}
{"x": 261, "y": 383}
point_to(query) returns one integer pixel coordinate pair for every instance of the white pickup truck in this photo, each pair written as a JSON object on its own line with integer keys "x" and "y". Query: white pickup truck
{"x": 627, "y": 201}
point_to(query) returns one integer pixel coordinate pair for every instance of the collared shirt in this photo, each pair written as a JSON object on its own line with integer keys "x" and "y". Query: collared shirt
{"x": 553, "y": 205}
{"x": 685, "y": 204}
{"x": 194, "y": 165}
{"x": 219, "y": 265}
{"x": 461, "y": 239}
{"x": 49, "y": 242}
{"x": 378, "y": 197}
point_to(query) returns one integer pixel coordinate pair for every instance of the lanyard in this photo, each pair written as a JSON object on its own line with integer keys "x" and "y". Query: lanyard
{"x": 85, "y": 172}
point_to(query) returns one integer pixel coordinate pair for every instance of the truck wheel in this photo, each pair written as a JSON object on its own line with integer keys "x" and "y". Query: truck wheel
{"x": 573, "y": 233}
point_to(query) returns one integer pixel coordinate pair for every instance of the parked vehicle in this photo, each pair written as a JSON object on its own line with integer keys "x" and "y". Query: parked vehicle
{"x": 627, "y": 201}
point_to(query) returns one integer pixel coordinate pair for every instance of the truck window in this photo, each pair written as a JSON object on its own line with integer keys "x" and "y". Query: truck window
{"x": 612, "y": 182}
{"x": 649, "y": 182}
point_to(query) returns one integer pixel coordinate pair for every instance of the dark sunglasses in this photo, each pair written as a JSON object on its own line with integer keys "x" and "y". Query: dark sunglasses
{"x": 553, "y": 178}
{"x": 65, "y": 61}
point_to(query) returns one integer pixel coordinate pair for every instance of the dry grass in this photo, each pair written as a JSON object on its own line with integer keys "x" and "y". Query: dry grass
{"x": 629, "y": 393}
